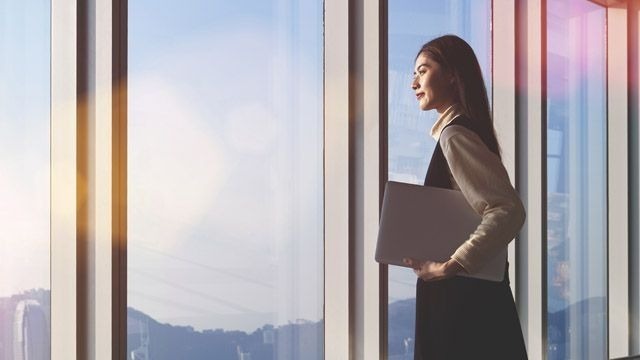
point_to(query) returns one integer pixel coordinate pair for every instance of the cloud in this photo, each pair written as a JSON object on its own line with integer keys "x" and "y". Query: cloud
{"x": 251, "y": 129}
{"x": 24, "y": 208}
{"x": 176, "y": 166}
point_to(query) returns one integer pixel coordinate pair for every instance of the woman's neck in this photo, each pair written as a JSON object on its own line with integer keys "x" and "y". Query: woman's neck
{"x": 446, "y": 116}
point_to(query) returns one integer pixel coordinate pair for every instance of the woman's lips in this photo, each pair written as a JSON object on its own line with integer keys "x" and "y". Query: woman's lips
{"x": 419, "y": 96}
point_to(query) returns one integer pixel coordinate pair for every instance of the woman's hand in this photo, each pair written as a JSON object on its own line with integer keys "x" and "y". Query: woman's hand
{"x": 431, "y": 270}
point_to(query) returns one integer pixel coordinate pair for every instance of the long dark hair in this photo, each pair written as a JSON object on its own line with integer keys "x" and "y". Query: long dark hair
{"x": 457, "y": 57}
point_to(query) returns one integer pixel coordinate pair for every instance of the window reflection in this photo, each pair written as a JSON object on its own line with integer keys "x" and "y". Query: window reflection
{"x": 409, "y": 143}
{"x": 24, "y": 180}
{"x": 576, "y": 184}
{"x": 225, "y": 242}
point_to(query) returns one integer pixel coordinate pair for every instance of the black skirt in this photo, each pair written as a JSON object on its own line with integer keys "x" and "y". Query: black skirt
{"x": 465, "y": 318}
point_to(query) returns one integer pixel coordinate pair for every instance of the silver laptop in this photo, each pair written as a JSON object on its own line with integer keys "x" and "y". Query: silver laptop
{"x": 429, "y": 223}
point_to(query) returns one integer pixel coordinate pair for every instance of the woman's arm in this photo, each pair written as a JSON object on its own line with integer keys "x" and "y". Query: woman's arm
{"x": 484, "y": 181}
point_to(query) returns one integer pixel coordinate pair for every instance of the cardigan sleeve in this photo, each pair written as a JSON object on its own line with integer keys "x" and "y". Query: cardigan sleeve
{"x": 484, "y": 181}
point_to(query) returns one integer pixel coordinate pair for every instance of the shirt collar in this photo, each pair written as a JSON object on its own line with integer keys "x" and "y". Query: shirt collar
{"x": 445, "y": 118}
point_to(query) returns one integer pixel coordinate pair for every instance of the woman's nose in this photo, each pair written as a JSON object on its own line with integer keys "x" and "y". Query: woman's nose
{"x": 414, "y": 84}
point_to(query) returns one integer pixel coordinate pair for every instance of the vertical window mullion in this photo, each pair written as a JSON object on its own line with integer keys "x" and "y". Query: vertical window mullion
{"x": 336, "y": 167}
{"x": 383, "y": 164}
{"x": 94, "y": 288}
{"x": 63, "y": 180}
{"x": 634, "y": 173}
{"x": 618, "y": 195}
{"x": 102, "y": 184}
{"x": 85, "y": 97}
{"x": 504, "y": 119}
{"x": 365, "y": 177}
{"x": 530, "y": 290}
{"x": 119, "y": 179}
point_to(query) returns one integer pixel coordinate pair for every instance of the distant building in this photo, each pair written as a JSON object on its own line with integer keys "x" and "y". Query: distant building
{"x": 30, "y": 332}
{"x": 6, "y": 329}
{"x": 268, "y": 336}
{"x": 408, "y": 346}
{"x": 140, "y": 328}
{"x": 243, "y": 355}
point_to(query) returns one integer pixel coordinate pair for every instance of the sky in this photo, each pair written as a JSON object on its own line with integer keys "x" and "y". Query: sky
{"x": 24, "y": 145}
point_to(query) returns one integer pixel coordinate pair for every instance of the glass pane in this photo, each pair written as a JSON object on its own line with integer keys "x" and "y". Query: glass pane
{"x": 225, "y": 252}
{"x": 24, "y": 179}
{"x": 412, "y": 24}
{"x": 576, "y": 182}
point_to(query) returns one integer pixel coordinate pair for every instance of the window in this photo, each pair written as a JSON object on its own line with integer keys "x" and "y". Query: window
{"x": 409, "y": 143}
{"x": 225, "y": 180}
{"x": 24, "y": 180}
{"x": 576, "y": 180}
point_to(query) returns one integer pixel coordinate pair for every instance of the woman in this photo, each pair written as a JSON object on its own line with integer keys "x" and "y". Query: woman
{"x": 461, "y": 317}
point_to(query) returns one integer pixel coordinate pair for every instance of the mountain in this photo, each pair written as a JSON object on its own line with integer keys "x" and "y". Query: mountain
{"x": 149, "y": 339}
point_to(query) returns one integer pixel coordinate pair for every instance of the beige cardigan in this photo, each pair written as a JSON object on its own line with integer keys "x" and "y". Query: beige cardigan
{"x": 480, "y": 175}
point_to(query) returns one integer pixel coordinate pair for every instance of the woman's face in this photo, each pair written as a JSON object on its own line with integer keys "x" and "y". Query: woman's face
{"x": 433, "y": 85}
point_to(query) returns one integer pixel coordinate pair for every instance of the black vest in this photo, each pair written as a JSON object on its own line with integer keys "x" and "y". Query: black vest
{"x": 454, "y": 316}
{"x": 438, "y": 174}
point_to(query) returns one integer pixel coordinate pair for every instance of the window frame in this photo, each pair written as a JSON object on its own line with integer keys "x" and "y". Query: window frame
{"x": 63, "y": 179}
{"x": 337, "y": 310}
{"x": 633, "y": 137}
{"x": 618, "y": 186}
{"x": 531, "y": 172}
